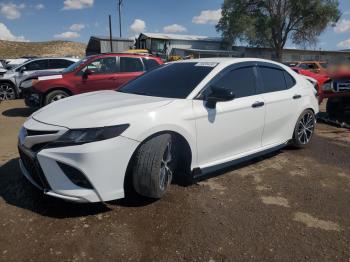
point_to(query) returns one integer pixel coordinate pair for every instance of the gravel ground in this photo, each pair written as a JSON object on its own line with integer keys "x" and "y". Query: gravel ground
{"x": 293, "y": 205}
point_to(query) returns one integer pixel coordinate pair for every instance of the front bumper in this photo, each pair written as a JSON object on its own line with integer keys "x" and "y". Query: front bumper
{"x": 102, "y": 163}
{"x": 31, "y": 98}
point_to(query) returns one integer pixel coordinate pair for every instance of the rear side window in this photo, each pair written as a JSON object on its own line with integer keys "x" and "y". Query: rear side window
{"x": 150, "y": 63}
{"x": 59, "y": 63}
{"x": 273, "y": 79}
{"x": 241, "y": 81}
{"x": 37, "y": 65}
{"x": 290, "y": 81}
{"x": 130, "y": 64}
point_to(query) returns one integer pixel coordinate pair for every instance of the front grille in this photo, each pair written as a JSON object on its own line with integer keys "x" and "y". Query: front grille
{"x": 34, "y": 169}
{"x": 341, "y": 85}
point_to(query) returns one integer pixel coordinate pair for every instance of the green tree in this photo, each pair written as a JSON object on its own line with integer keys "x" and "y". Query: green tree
{"x": 271, "y": 23}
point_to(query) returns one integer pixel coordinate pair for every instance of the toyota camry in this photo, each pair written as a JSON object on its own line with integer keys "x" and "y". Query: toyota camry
{"x": 182, "y": 120}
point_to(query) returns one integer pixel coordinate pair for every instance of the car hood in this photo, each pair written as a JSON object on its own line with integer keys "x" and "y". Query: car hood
{"x": 97, "y": 109}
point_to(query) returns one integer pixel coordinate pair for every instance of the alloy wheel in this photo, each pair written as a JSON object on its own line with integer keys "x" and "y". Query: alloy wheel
{"x": 58, "y": 97}
{"x": 7, "y": 92}
{"x": 306, "y": 128}
{"x": 166, "y": 173}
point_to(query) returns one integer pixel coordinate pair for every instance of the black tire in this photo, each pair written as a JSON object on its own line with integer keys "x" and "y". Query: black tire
{"x": 55, "y": 96}
{"x": 334, "y": 107}
{"x": 151, "y": 176}
{"x": 304, "y": 129}
{"x": 7, "y": 91}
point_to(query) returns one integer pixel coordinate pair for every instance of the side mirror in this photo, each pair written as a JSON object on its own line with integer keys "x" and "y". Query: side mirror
{"x": 22, "y": 69}
{"x": 86, "y": 73}
{"x": 218, "y": 94}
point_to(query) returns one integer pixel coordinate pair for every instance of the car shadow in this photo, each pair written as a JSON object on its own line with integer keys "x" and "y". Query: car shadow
{"x": 243, "y": 164}
{"x": 339, "y": 120}
{"x": 15, "y": 190}
{"x": 19, "y": 112}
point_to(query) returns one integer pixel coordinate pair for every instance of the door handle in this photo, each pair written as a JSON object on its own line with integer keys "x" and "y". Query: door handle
{"x": 296, "y": 96}
{"x": 112, "y": 78}
{"x": 258, "y": 104}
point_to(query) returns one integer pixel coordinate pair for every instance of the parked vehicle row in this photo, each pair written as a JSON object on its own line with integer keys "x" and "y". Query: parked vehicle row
{"x": 181, "y": 120}
{"x": 11, "y": 79}
{"x": 99, "y": 72}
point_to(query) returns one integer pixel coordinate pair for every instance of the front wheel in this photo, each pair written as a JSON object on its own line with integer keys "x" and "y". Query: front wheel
{"x": 153, "y": 166}
{"x": 304, "y": 129}
{"x": 55, "y": 96}
{"x": 7, "y": 92}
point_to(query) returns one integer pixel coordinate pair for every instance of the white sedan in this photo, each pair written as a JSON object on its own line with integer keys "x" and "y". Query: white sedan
{"x": 182, "y": 120}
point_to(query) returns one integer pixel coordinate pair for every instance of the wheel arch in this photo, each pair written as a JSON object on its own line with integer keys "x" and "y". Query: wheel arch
{"x": 7, "y": 81}
{"x": 65, "y": 89}
{"x": 184, "y": 146}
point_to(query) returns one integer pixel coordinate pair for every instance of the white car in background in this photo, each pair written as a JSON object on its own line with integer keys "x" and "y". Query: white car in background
{"x": 11, "y": 79}
{"x": 184, "y": 119}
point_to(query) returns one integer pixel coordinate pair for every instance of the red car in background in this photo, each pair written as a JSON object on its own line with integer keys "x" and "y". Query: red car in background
{"x": 94, "y": 73}
{"x": 324, "y": 82}
{"x": 334, "y": 86}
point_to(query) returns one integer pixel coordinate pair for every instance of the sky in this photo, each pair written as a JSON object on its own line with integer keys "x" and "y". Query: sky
{"x": 77, "y": 20}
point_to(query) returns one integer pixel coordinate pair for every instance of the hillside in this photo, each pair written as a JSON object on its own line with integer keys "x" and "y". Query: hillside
{"x": 9, "y": 49}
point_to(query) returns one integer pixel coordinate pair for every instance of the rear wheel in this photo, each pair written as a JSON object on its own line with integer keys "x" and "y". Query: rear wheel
{"x": 7, "y": 91}
{"x": 304, "y": 129}
{"x": 55, "y": 96}
{"x": 153, "y": 166}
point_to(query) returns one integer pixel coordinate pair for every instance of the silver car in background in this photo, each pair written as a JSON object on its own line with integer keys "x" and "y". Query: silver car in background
{"x": 10, "y": 80}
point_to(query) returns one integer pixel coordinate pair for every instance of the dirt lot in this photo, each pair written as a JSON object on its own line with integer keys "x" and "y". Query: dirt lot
{"x": 290, "y": 206}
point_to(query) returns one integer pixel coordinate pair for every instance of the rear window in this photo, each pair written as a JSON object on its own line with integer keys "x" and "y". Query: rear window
{"x": 130, "y": 64}
{"x": 273, "y": 79}
{"x": 175, "y": 80}
{"x": 290, "y": 81}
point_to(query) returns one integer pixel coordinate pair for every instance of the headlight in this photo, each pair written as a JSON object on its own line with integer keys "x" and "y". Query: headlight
{"x": 88, "y": 135}
{"x": 328, "y": 86}
{"x": 29, "y": 83}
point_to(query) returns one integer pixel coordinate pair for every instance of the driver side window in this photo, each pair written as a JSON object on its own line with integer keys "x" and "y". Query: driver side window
{"x": 107, "y": 65}
{"x": 242, "y": 81}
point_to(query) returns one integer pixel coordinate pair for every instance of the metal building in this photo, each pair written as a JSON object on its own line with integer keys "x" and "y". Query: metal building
{"x": 295, "y": 54}
{"x": 162, "y": 44}
{"x": 101, "y": 45}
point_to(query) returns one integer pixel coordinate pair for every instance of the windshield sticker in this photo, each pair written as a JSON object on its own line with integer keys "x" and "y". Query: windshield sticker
{"x": 207, "y": 64}
{"x": 42, "y": 78}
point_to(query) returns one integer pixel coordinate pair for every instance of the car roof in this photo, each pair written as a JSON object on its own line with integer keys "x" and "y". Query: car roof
{"x": 228, "y": 60}
{"x": 125, "y": 54}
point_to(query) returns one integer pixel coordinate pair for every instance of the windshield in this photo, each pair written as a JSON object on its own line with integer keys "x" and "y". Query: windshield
{"x": 74, "y": 66}
{"x": 175, "y": 80}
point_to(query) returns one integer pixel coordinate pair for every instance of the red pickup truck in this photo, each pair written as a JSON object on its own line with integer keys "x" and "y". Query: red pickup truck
{"x": 334, "y": 86}
{"x": 99, "y": 72}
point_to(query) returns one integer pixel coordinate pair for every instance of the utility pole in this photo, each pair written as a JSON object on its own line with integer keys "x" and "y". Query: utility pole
{"x": 120, "y": 2}
{"x": 110, "y": 33}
